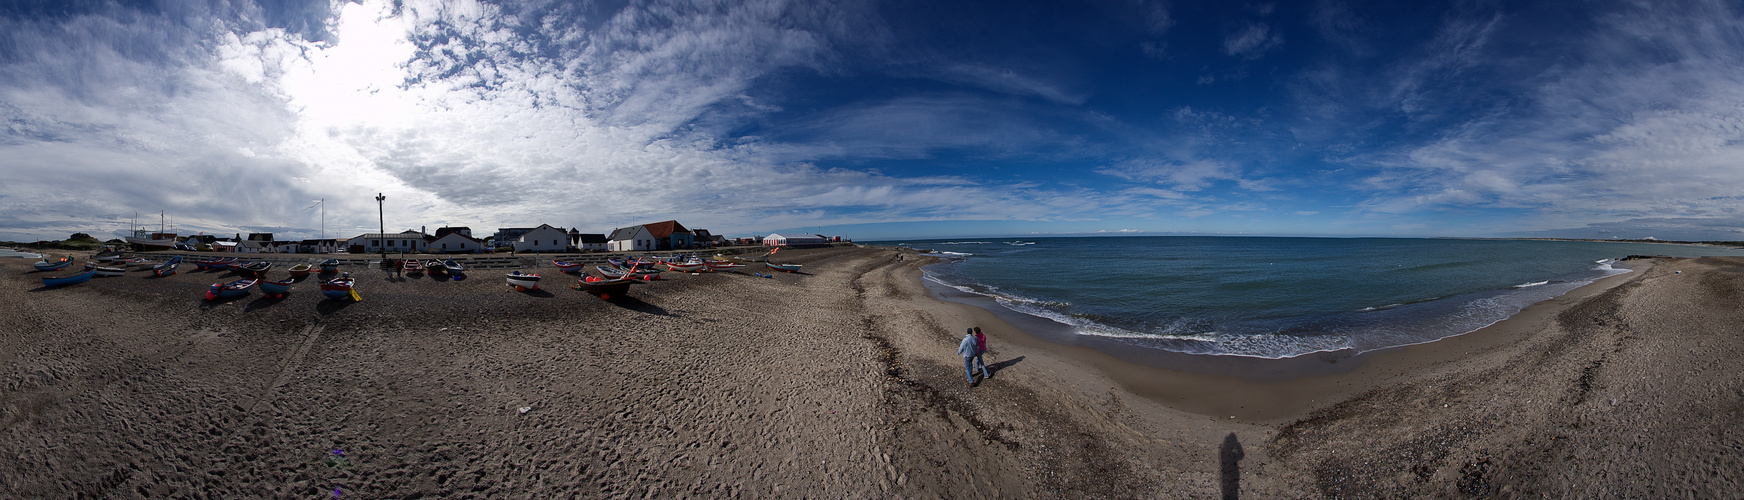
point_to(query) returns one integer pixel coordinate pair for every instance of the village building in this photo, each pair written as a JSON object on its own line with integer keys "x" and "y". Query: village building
{"x": 543, "y": 239}
{"x": 328, "y": 245}
{"x": 463, "y": 230}
{"x": 670, "y": 235}
{"x": 507, "y": 236}
{"x": 455, "y": 242}
{"x": 777, "y": 240}
{"x": 409, "y": 241}
{"x": 587, "y": 242}
{"x": 703, "y": 238}
{"x": 630, "y": 239}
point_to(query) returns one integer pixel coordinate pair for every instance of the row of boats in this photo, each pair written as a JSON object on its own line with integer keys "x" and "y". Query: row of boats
{"x": 615, "y": 276}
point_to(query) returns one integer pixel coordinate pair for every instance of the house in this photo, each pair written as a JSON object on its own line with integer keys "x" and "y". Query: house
{"x": 669, "y": 235}
{"x": 327, "y": 245}
{"x": 408, "y": 241}
{"x": 455, "y": 242}
{"x": 777, "y": 240}
{"x": 706, "y": 239}
{"x": 629, "y": 239}
{"x": 463, "y": 230}
{"x": 508, "y": 235}
{"x": 543, "y": 239}
{"x": 589, "y": 241}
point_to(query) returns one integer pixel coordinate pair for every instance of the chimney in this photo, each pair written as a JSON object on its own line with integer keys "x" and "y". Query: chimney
{"x": 421, "y": 231}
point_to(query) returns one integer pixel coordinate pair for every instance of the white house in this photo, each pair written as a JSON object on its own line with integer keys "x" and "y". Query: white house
{"x": 631, "y": 238}
{"x": 456, "y": 242}
{"x": 543, "y": 239}
{"x": 776, "y": 240}
{"x": 409, "y": 242}
{"x": 589, "y": 241}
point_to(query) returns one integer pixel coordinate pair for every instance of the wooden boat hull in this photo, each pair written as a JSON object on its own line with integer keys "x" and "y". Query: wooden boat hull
{"x": 68, "y": 279}
{"x": 605, "y": 289}
{"x": 300, "y": 271}
{"x": 330, "y": 265}
{"x": 107, "y": 272}
{"x": 254, "y": 270}
{"x": 783, "y": 267}
{"x": 568, "y": 267}
{"x": 236, "y": 288}
{"x": 166, "y": 269}
{"x": 524, "y": 282}
{"x": 277, "y": 289}
{"x": 435, "y": 267}
{"x": 721, "y": 265}
{"x": 54, "y": 266}
{"x": 338, "y": 288}
{"x": 685, "y": 268}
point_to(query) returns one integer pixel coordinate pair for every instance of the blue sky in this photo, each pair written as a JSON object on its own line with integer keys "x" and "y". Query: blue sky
{"x": 878, "y": 120}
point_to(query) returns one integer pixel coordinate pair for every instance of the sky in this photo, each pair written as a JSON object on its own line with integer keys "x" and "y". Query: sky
{"x": 876, "y": 119}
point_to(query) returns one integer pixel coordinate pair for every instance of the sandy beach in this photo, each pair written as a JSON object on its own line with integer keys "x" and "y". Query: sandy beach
{"x": 838, "y": 382}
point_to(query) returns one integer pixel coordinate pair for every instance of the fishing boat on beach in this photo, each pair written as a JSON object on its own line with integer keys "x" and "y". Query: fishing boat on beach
{"x": 106, "y": 271}
{"x": 411, "y": 266}
{"x": 341, "y": 288}
{"x": 721, "y": 265}
{"x": 453, "y": 266}
{"x": 686, "y": 266}
{"x": 215, "y": 264}
{"x": 236, "y": 288}
{"x": 605, "y": 288}
{"x": 523, "y": 281}
{"x": 167, "y": 268}
{"x": 792, "y": 268}
{"x": 435, "y": 267}
{"x": 568, "y": 267}
{"x": 330, "y": 266}
{"x": 68, "y": 279}
{"x": 301, "y": 271}
{"x": 254, "y": 269}
{"x": 277, "y": 289}
{"x": 54, "y": 265}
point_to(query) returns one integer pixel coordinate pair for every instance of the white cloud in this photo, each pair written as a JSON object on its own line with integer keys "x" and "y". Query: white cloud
{"x": 1252, "y": 41}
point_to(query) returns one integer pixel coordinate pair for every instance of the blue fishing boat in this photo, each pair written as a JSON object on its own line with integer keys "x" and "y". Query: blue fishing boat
{"x": 340, "y": 288}
{"x": 330, "y": 266}
{"x": 236, "y": 288}
{"x": 277, "y": 289}
{"x": 167, "y": 268}
{"x": 783, "y": 267}
{"x": 68, "y": 279}
{"x": 54, "y": 265}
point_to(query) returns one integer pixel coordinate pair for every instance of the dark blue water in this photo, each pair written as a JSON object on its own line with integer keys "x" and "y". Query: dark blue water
{"x": 1277, "y": 297}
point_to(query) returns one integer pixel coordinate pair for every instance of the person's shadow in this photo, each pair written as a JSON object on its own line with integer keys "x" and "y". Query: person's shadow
{"x": 996, "y": 367}
{"x": 1231, "y": 458}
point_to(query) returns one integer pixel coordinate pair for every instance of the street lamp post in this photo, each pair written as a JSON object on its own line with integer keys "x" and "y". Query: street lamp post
{"x": 382, "y": 212}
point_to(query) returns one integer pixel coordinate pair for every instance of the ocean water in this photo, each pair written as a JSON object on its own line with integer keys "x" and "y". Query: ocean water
{"x": 7, "y": 252}
{"x": 1276, "y": 297}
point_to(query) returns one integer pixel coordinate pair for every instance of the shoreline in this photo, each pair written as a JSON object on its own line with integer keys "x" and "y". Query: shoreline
{"x": 1256, "y": 389}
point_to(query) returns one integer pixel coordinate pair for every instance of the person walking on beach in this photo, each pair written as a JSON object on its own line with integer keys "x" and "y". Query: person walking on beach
{"x": 981, "y": 349}
{"x": 971, "y": 351}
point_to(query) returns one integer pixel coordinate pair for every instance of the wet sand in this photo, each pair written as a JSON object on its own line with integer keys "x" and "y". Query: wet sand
{"x": 841, "y": 381}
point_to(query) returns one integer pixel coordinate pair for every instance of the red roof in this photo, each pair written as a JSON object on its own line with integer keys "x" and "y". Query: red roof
{"x": 665, "y": 229}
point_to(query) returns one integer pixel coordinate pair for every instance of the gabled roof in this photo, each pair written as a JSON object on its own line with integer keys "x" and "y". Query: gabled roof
{"x": 592, "y": 238}
{"x": 458, "y": 235}
{"x": 664, "y": 229}
{"x": 627, "y": 233}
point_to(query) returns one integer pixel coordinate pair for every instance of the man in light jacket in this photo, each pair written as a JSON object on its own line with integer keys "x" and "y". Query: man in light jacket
{"x": 971, "y": 351}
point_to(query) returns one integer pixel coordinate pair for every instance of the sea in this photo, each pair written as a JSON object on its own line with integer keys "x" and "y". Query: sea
{"x": 7, "y": 252}
{"x": 1275, "y": 297}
